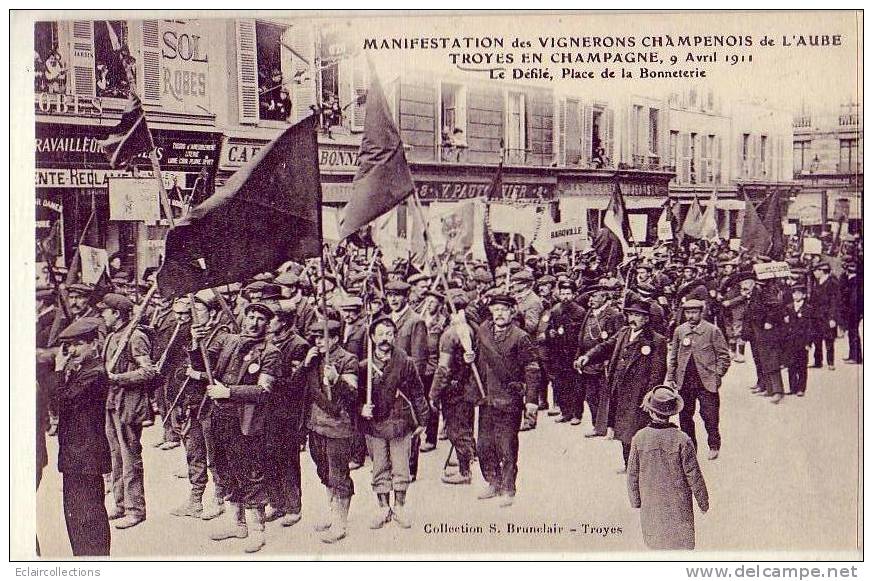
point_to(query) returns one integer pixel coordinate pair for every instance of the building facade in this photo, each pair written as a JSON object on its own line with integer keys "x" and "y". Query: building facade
{"x": 216, "y": 91}
{"x": 828, "y": 163}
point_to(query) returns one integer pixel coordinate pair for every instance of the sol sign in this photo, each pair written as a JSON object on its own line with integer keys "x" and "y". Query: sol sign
{"x": 184, "y": 65}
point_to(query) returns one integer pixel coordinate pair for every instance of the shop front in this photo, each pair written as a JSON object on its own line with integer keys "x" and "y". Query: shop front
{"x": 73, "y": 180}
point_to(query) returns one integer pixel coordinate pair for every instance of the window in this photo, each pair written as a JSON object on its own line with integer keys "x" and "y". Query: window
{"x": 848, "y": 155}
{"x": 802, "y": 158}
{"x": 598, "y": 152}
{"x": 674, "y": 148}
{"x": 745, "y": 146}
{"x": 653, "y": 131}
{"x": 515, "y": 124}
{"x": 637, "y": 130}
{"x": 274, "y": 98}
{"x": 454, "y": 115}
{"x": 50, "y": 59}
{"x": 764, "y": 171}
{"x": 115, "y": 67}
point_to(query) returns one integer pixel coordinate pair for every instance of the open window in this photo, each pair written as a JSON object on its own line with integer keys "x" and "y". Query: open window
{"x": 51, "y": 59}
{"x": 115, "y": 67}
{"x": 453, "y": 115}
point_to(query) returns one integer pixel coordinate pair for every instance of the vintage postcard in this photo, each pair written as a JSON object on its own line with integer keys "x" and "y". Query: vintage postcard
{"x": 437, "y": 285}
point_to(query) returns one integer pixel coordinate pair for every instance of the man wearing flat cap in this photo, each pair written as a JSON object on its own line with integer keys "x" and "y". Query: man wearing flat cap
{"x": 244, "y": 368}
{"x": 454, "y": 389}
{"x": 511, "y": 375}
{"x": 529, "y": 314}
{"x": 698, "y": 359}
{"x": 131, "y": 372}
{"x": 602, "y": 321}
{"x": 83, "y": 449}
{"x": 411, "y": 337}
{"x": 561, "y": 343}
{"x": 637, "y": 361}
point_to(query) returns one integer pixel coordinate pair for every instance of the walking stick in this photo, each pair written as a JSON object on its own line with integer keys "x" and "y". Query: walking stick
{"x": 449, "y": 457}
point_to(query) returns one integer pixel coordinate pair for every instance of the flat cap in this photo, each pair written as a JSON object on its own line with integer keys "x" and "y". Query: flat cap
{"x": 693, "y": 304}
{"x": 117, "y": 302}
{"x": 397, "y": 286}
{"x": 256, "y": 286}
{"x": 524, "y": 276}
{"x": 317, "y": 327}
{"x": 84, "y": 328}
{"x": 502, "y": 299}
{"x": 546, "y": 279}
{"x": 287, "y": 278}
{"x": 260, "y": 308}
{"x": 271, "y": 292}
{"x": 80, "y": 289}
{"x": 417, "y": 277}
{"x": 351, "y": 302}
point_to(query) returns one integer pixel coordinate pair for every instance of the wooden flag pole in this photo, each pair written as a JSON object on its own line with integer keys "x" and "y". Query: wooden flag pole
{"x": 466, "y": 340}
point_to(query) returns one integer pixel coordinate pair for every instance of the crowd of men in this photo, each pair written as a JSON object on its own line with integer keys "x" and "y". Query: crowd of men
{"x": 357, "y": 362}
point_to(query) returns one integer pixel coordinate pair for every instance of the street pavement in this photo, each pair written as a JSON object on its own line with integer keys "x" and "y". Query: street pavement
{"x": 786, "y": 480}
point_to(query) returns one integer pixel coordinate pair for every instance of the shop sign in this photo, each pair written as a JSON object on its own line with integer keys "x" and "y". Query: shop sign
{"x": 72, "y": 105}
{"x": 335, "y": 160}
{"x": 455, "y": 190}
{"x": 96, "y": 178}
{"x": 184, "y": 65}
{"x": 605, "y": 189}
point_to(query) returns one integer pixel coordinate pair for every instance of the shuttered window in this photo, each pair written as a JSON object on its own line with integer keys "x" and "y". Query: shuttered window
{"x": 82, "y": 58}
{"x": 247, "y": 69}
{"x": 151, "y": 62}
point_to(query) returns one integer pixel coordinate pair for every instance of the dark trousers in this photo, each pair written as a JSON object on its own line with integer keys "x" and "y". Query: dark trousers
{"x": 239, "y": 461}
{"x": 823, "y": 342}
{"x": 332, "y": 457}
{"x": 163, "y": 398}
{"x": 625, "y": 452}
{"x": 709, "y": 406}
{"x": 282, "y": 468}
{"x": 798, "y": 359}
{"x": 199, "y": 454}
{"x": 359, "y": 448}
{"x": 854, "y": 340}
{"x": 756, "y": 360}
{"x": 570, "y": 392}
{"x": 459, "y": 418}
{"x": 498, "y": 446}
{"x": 85, "y": 513}
{"x": 432, "y": 429}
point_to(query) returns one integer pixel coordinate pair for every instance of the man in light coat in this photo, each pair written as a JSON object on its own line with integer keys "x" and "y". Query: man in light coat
{"x": 698, "y": 358}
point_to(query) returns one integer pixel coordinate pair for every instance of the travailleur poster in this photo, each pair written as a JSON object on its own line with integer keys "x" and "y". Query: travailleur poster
{"x": 555, "y": 452}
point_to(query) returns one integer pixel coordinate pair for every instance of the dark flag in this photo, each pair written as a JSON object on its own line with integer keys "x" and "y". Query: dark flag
{"x": 755, "y": 237}
{"x": 773, "y": 224}
{"x": 693, "y": 226}
{"x": 50, "y": 246}
{"x": 494, "y": 254}
{"x": 130, "y": 138}
{"x": 268, "y": 213}
{"x": 383, "y": 179}
{"x": 611, "y": 241}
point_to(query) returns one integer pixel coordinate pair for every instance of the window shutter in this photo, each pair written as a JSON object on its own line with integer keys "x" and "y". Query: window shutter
{"x": 575, "y": 135}
{"x": 717, "y": 160}
{"x": 247, "y": 70}
{"x": 609, "y": 140}
{"x": 346, "y": 88}
{"x": 303, "y": 95}
{"x": 151, "y": 63}
{"x": 82, "y": 59}
{"x": 587, "y": 133}
{"x": 685, "y": 161}
{"x": 359, "y": 88}
{"x": 560, "y": 135}
{"x": 460, "y": 112}
{"x": 740, "y": 165}
{"x": 663, "y": 135}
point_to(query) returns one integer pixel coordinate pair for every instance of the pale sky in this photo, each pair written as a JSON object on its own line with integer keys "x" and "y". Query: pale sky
{"x": 822, "y": 77}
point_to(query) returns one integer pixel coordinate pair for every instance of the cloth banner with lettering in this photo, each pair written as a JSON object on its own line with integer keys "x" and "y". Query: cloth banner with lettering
{"x": 94, "y": 263}
{"x": 451, "y": 227}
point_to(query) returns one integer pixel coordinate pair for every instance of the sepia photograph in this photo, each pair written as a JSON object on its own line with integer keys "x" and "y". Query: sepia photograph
{"x": 451, "y": 285}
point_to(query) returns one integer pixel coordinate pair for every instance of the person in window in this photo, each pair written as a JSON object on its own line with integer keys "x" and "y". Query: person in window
{"x": 331, "y": 113}
{"x": 55, "y": 73}
{"x": 39, "y": 82}
{"x": 270, "y": 96}
{"x": 599, "y": 157}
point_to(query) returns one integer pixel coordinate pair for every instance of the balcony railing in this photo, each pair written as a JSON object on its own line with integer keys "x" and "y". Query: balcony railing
{"x": 803, "y": 121}
{"x": 646, "y": 161}
{"x": 849, "y": 120}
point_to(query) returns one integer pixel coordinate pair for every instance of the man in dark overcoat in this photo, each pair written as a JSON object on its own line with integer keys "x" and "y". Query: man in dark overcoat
{"x": 637, "y": 362}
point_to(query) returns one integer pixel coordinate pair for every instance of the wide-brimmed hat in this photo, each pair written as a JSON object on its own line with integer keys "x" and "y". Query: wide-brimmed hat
{"x": 663, "y": 400}
{"x": 638, "y": 306}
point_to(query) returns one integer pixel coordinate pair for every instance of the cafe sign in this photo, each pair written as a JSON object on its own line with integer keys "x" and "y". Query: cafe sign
{"x": 331, "y": 160}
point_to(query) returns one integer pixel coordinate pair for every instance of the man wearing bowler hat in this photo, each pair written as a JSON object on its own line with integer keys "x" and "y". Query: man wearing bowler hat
{"x": 511, "y": 375}
{"x": 698, "y": 359}
{"x": 127, "y": 407}
{"x": 824, "y": 298}
{"x": 637, "y": 361}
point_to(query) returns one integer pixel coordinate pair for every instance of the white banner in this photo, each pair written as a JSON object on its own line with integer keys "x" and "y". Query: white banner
{"x": 638, "y": 224}
{"x": 134, "y": 199}
{"x": 665, "y": 229}
{"x": 94, "y": 263}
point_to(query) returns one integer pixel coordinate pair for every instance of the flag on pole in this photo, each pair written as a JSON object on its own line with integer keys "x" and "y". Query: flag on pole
{"x": 130, "y": 138}
{"x": 665, "y": 223}
{"x": 268, "y": 213}
{"x": 755, "y": 237}
{"x": 50, "y": 246}
{"x": 611, "y": 241}
{"x": 708, "y": 222}
{"x": 773, "y": 224}
{"x": 494, "y": 254}
{"x": 693, "y": 225}
{"x": 383, "y": 179}
{"x": 95, "y": 261}
{"x": 113, "y": 37}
